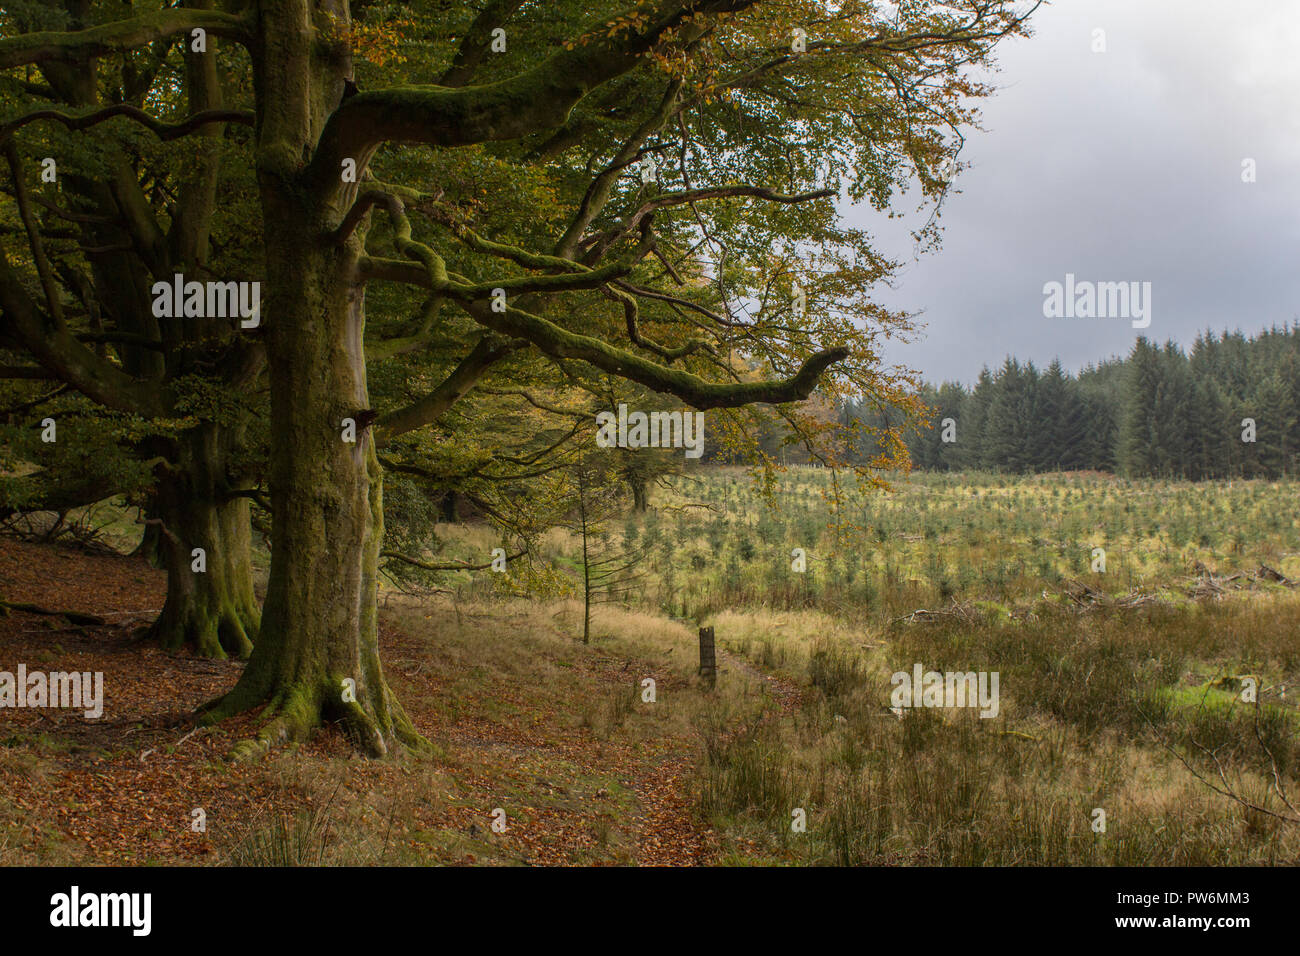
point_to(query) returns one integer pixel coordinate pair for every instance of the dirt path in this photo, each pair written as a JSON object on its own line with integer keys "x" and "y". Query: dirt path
{"x": 669, "y": 831}
{"x": 672, "y": 833}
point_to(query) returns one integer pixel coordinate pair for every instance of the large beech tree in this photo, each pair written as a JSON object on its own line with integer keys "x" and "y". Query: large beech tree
{"x": 671, "y": 282}
{"x": 116, "y": 223}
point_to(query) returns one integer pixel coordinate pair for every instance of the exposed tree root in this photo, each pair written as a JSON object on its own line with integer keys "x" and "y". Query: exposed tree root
{"x": 72, "y": 617}
{"x": 292, "y": 713}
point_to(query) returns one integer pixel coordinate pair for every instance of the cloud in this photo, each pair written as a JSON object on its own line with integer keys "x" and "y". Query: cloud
{"x": 1117, "y": 166}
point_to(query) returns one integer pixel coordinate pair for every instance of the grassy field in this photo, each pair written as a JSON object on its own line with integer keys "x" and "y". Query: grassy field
{"x": 1121, "y": 693}
{"x": 1120, "y": 688}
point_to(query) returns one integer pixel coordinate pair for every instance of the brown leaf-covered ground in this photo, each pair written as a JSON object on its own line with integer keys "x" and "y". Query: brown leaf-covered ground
{"x": 523, "y": 718}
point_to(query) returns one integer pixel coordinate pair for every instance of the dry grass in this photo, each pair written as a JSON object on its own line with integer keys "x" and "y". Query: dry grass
{"x": 1092, "y": 716}
{"x": 1114, "y": 709}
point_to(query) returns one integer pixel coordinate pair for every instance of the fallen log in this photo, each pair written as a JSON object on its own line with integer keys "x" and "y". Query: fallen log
{"x": 1269, "y": 574}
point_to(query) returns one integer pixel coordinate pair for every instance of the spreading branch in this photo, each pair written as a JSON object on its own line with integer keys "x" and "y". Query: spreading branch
{"x": 118, "y": 36}
{"x": 535, "y": 100}
{"x": 477, "y": 40}
{"x": 560, "y": 343}
{"x": 164, "y": 131}
{"x": 68, "y": 360}
{"x": 482, "y": 357}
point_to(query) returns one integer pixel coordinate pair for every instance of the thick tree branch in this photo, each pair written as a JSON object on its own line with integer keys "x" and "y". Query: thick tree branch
{"x": 435, "y": 275}
{"x": 119, "y": 35}
{"x": 51, "y": 491}
{"x": 535, "y": 100}
{"x": 190, "y": 234}
{"x": 412, "y": 341}
{"x": 483, "y": 356}
{"x": 562, "y": 344}
{"x": 43, "y": 270}
{"x": 67, "y": 359}
{"x": 474, "y": 46}
{"x": 598, "y": 192}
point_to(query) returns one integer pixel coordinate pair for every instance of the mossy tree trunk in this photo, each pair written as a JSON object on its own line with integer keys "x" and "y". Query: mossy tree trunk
{"x": 317, "y": 656}
{"x": 210, "y": 607}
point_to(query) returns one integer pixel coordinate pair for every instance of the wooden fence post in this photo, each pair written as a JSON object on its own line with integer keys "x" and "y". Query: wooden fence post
{"x": 708, "y": 662}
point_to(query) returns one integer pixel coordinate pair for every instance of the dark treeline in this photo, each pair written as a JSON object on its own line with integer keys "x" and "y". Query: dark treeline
{"x": 1159, "y": 412}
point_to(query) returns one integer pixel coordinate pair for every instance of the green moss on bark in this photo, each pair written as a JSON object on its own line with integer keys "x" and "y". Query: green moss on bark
{"x": 320, "y": 619}
{"x": 213, "y": 611}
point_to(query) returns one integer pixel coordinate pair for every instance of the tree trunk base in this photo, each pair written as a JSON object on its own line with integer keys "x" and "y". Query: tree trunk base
{"x": 223, "y": 632}
{"x": 293, "y": 712}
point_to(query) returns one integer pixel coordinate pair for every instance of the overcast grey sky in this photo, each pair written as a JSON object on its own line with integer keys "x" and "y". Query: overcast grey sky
{"x": 1115, "y": 166}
